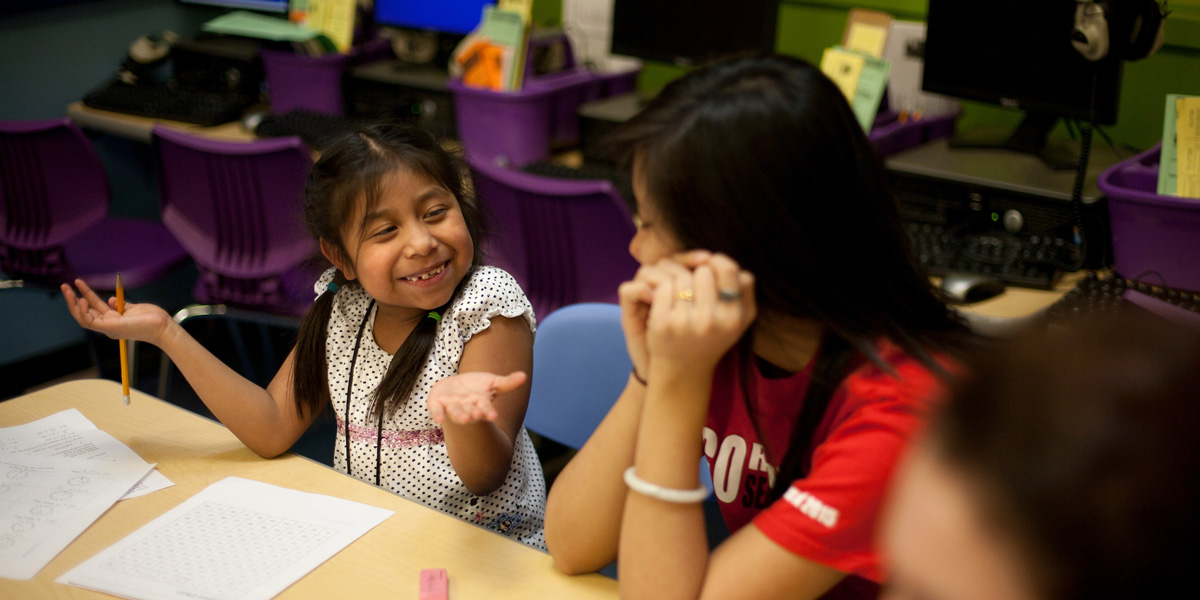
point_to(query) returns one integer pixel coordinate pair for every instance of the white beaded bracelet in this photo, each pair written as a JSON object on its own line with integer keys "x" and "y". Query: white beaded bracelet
{"x": 658, "y": 492}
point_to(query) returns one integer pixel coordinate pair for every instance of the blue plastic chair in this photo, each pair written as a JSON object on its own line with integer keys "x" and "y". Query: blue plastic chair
{"x": 580, "y": 366}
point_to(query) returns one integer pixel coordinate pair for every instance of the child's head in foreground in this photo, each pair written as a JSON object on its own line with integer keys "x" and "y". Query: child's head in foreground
{"x": 1066, "y": 466}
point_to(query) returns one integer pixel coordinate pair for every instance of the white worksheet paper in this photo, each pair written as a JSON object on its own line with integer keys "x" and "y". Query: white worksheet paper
{"x": 238, "y": 539}
{"x": 45, "y": 503}
{"x": 68, "y": 434}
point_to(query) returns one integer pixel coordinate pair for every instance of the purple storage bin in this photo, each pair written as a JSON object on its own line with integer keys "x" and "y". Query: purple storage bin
{"x": 524, "y": 126}
{"x": 567, "y": 91}
{"x": 890, "y": 136}
{"x": 611, "y": 84}
{"x": 1151, "y": 233}
{"x": 298, "y": 82}
{"x": 511, "y": 128}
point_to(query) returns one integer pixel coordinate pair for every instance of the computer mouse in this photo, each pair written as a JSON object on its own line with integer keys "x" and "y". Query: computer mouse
{"x": 968, "y": 288}
{"x": 252, "y": 119}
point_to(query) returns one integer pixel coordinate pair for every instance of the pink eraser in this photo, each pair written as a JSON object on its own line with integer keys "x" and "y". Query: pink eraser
{"x": 434, "y": 585}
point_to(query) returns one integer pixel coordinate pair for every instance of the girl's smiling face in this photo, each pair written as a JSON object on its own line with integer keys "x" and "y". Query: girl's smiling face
{"x": 412, "y": 249}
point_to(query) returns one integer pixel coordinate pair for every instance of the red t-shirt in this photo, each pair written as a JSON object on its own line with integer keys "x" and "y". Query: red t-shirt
{"x": 830, "y": 515}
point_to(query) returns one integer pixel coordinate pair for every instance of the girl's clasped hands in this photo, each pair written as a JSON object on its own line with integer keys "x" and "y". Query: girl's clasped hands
{"x": 686, "y": 311}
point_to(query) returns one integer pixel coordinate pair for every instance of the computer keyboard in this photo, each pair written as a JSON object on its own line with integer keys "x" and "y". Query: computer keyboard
{"x": 556, "y": 170}
{"x": 166, "y": 101}
{"x": 1022, "y": 261}
{"x": 318, "y": 130}
{"x": 1097, "y": 296}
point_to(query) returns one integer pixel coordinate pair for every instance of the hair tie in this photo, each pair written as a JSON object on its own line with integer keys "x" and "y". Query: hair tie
{"x": 331, "y": 286}
{"x": 433, "y": 314}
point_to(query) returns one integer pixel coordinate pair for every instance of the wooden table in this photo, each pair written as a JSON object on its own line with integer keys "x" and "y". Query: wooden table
{"x": 1001, "y": 314}
{"x": 195, "y": 452}
{"x": 138, "y": 128}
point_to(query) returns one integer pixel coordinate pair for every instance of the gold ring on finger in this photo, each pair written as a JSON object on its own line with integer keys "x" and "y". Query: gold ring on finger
{"x": 686, "y": 295}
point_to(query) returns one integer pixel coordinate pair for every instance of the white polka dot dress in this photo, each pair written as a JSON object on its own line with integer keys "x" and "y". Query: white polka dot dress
{"x": 413, "y": 460}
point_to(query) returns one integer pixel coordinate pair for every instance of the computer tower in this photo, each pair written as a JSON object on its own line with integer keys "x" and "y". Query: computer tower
{"x": 391, "y": 89}
{"x": 974, "y": 191}
{"x": 224, "y": 64}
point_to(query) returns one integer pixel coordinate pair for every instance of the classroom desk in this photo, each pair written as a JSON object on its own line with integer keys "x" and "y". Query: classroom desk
{"x": 138, "y": 128}
{"x": 1018, "y": 302}
{"x": 194, "y": 452}
{"x": 1016, "y": 306}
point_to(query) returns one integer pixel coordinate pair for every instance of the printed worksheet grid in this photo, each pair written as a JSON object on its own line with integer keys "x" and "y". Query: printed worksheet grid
{"x": 219, "y": 550}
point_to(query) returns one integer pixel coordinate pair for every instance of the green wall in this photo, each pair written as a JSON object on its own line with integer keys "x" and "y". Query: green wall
{"x": 807, "y": 27}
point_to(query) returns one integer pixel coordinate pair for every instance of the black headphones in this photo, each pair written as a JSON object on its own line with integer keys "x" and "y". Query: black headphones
{"x": 1123, "y": 29}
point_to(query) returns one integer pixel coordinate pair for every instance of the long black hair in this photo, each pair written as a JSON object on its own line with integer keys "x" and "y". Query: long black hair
{"x": 354, "y": 170}
{"x": 761, "y": 158}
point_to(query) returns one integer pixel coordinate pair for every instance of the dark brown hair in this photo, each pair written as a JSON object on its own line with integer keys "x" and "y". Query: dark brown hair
{"x": 1083, "y": 447}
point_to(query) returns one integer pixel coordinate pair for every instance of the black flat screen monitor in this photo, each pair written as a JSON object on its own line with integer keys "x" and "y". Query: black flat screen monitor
{"x": 270, "y": 6}
{"x": 1018, "y": 53}
{"x": 457, "y": 17}
{"x": 692, "y": 32}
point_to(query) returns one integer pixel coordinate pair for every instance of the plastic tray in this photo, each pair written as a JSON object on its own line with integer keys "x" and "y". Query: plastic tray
{"x": 1154, "y": 238}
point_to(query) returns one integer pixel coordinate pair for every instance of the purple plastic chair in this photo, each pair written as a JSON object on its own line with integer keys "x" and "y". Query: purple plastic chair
{"x": 54, "y": 223}
{"x": 566, "y": 241}
{"x": 238, "y": 209}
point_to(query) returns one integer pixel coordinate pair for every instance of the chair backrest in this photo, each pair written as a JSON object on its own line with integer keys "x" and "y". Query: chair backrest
{"x": 566, "y": 241}
{"x": 580, "y": 366}
{"x": 52, "y": 188}
{"x": 238, "y": 209}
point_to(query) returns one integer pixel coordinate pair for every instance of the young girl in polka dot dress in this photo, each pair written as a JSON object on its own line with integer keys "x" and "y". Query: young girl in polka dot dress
{"x": 402, "y": 342}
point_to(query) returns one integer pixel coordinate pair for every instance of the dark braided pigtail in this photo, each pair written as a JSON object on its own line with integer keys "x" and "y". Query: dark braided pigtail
{"x": 392, "y": 394}
{"x": 310, "y": 385}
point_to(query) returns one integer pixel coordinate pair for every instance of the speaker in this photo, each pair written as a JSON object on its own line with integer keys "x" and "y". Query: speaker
{"x": 228, "y": 65}
{"x": 1122, "y": 29}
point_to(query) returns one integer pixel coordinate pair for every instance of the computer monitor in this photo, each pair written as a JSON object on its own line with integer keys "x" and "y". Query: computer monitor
{"x": 270, "y": 6}
{"x": 457, "y": 17}
{"x": 691, "y": 32}
{"x": 1018, "y": 54}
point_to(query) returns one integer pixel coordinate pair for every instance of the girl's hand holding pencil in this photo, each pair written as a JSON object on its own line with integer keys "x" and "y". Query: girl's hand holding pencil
{"x": 141, "y": 322}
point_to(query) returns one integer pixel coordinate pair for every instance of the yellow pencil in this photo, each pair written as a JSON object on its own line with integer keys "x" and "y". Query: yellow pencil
{"x": 124, "y": 344}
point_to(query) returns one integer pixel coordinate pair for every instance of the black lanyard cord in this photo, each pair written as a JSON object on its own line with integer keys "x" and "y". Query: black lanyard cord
{"x": 349, "y": 389}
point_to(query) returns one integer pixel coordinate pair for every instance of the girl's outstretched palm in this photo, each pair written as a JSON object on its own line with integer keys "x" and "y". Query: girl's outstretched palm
{"x": 142, "y": 322}
{"x": 467, "y": 397}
